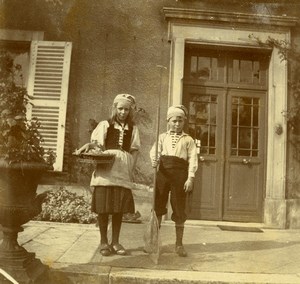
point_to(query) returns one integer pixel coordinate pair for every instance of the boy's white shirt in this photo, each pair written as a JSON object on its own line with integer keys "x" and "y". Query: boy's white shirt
{"x": 185, "y": 148}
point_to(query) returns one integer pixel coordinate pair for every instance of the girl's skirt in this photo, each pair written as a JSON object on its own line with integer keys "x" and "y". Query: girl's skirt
{"x": 112, "y": 199}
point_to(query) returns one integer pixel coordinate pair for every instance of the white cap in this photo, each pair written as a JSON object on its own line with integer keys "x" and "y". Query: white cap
{"x": 177, "y": 110}
{"x": 125, "y": 98}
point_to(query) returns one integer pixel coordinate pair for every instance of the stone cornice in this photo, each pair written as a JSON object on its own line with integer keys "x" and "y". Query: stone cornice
{"x": 172, "y": 13}
{"x": 20, "y": 35}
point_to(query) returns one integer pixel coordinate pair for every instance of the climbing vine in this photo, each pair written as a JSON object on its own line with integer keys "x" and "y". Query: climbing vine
{"x": 290, "y": 53}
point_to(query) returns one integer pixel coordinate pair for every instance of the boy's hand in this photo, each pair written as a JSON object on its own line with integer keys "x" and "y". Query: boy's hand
{"x": 154, "y": 163}
{"x": 189, "y": 184}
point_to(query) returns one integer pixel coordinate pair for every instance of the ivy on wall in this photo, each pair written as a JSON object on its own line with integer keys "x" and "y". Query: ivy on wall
{"x": 289, "y": 53}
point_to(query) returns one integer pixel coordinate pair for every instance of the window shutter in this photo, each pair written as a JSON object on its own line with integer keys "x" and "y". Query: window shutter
{"x": 48, "y": 87}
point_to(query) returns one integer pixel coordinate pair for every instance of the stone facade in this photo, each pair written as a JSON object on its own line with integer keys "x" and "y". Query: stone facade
{"x": 117, "y": 47}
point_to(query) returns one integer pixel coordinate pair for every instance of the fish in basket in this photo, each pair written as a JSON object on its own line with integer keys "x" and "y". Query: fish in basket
{"x": 95, "y": 157}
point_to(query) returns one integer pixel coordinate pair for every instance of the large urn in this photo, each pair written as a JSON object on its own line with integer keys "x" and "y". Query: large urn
{"x": 19, "y": 203}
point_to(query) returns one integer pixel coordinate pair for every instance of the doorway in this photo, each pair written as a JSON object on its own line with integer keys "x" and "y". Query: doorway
{"x": 225, "y": 92}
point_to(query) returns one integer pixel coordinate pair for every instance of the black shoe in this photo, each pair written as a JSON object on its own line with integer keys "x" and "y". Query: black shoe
{"x": 180, "y": 251}
{"x": 105, "y": 249}
{"x": 118, "y": 249}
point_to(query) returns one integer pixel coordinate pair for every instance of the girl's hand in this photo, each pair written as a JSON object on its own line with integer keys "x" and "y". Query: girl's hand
{"x": 134, "y": 154}
{"x": 84, "y": 149}
{"x": 189, "y": 184}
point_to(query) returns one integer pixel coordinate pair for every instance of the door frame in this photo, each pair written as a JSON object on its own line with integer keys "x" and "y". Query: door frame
{"x": 234, "y": 31}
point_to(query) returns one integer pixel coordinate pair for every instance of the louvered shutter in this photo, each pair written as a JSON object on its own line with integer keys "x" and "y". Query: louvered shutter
{"x": 48, "y": 86}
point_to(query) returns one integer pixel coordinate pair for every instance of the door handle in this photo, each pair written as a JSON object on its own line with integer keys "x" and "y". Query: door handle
{"x": 246, "y": 161}
{"x": 201, "y": 158}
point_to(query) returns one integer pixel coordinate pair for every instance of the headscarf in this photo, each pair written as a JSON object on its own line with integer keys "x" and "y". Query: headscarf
{"x": 125, "y": 98}
{"x": 177, "y": 110}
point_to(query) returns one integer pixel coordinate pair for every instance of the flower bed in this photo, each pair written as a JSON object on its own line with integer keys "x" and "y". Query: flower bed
{"x": 66, "y": 207}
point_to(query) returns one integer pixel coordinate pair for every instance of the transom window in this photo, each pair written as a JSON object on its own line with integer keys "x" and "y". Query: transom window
{"x": 230, "y": 67}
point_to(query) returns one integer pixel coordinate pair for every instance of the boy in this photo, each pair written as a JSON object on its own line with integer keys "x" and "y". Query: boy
{"x": 178, "y": 162}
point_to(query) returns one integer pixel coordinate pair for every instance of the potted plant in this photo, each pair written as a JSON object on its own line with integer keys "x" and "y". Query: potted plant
{"x": 22, "y": 162}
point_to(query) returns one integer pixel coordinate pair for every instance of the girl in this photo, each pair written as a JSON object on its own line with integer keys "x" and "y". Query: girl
{"x": 112, "y": 184}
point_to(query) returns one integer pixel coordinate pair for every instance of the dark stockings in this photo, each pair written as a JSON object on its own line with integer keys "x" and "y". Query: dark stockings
{"x": 103, "y": 224}
{"x": 159, "y": 218}
{"x": 116, "y": 227}
{"x": 179, "y": 233}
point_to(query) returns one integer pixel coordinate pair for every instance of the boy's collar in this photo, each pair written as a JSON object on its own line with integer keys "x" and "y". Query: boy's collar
{"x": 172, "y": 132}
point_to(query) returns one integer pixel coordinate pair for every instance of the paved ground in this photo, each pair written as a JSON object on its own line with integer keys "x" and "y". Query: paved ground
{"x": 215, "y": 255}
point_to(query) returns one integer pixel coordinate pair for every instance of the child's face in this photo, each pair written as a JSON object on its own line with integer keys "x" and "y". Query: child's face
{"x": 176, "y": 123}
{"x": 122, "y": 111}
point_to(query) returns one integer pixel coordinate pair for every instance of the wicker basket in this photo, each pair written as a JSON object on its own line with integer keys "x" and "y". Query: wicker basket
{"x": 101, "y": 158}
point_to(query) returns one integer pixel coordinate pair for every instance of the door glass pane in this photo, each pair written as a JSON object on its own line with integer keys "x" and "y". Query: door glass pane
{"x": 192, "y": 130}
{"x": 193, "y": 65}
{"x": 212, "y": 139}
{"x": 202, "y": 121}
{"x": 202, "y": 65}
{"x": 244, "y": 138}
{"x": 213, "y": 114}
{"x": 234, "y": 140}
{"x": 245, "y": 115}
{"x": 255, "y": 139}
{"x": 246, "y": 71}
{"x": 236, "y": 70}
{"x": 255, "y": 112}
{"x": 246, "y": 68}
{"x": 202, "y": 134}
{"x": 256, "y": 72}
{"x": 214, "y": 69}
{"x": 244, "y": 128}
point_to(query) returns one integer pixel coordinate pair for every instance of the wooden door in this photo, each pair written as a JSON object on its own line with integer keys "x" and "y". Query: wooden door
{"x": 206, "y": 107}
{"x": 225, "y": 93}
{"x": 244, "y": 156}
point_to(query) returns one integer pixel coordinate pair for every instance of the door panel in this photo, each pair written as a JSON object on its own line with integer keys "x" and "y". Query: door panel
{"x": 244, "y": 177}
{"x": 206, "y": 203}
{"x": 205, "y": 124}
{"x": 242, "y": 187}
